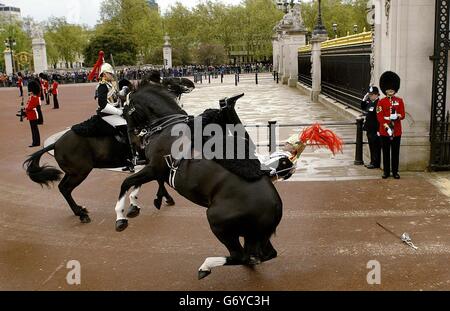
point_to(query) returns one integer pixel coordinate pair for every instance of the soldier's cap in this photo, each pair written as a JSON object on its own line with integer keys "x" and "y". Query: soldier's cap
{"x": 389, "y": 81}
{"x": 34, "y": 87}
{"x": 373, "y": 90}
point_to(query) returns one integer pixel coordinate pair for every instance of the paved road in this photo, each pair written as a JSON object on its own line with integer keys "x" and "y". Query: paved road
{"x": 325, "y": 240}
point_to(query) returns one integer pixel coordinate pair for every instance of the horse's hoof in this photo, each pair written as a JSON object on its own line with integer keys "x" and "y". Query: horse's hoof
{"x": 84, "y": 210}
{"x": 85, "y": 219}
{"x": 121, "y": 225}
{"x": 133, "y": 211}
{"x": 203, "y": 274}
{"x": 170, "y": 202}
{"x": 253, "y": 261}
{"x": 157, "y": 203}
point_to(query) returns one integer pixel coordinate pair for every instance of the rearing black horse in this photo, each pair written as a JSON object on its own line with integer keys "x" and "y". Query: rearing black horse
{"x": 235, "y": 207}
{"x": 77, "y": 156}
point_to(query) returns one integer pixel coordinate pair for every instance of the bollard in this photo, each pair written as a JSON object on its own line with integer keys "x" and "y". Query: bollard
{"x": 235, "y": 79}
{"x": 274, "y": 75}
{"x": 256, "y": 77}
{"x": 272, "y": 136}
{"x": 209, "y": 78}
{"x": 201, "y": 78}
{"x": 238, "y": 77}
{"x": 277, "y": 78}
{"x": 221, "y": 77}
{"x": 359, "y": 142}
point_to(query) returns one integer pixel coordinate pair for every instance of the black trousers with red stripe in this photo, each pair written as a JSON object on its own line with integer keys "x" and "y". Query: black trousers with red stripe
{"x": 391, "y": 154}
{"x": 55, "y": 101}
{"x": 35, "y": 133}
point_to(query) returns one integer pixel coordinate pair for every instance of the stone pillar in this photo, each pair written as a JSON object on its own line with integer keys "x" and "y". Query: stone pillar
{"x": 8, "y": 61}
{"x": 404, "y": 34}
{"x": 275, "y": 52}
{"x": 291, "y": 33}
{"x": 167, "y": 53}
{"x": 39, "y": 55}
{"x": 316, "y": 66}
{"x": 297, "y": 40}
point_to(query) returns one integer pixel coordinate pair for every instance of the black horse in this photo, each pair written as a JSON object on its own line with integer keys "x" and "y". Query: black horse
{"x": 77, "y": 156}
{"x": 235, "y": 207}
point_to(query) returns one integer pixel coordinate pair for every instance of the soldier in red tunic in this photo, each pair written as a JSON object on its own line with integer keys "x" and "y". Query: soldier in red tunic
{"x": 20, "y": 84}
{"x": 54, "y": 91}
{"x": 32, "y": 113}
{"x": 390, "y": 112}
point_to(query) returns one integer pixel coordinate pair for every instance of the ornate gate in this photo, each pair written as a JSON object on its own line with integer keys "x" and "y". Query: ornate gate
{"x": 23, "y": 61}
{"x": 439, "y": 131}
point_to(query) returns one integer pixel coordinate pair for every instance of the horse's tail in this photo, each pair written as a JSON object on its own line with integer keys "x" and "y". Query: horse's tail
{"x": 42, "y": 175}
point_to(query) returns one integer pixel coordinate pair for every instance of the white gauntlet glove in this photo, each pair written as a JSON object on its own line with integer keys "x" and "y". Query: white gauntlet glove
{"x": 389, "y": 131}
{"x": 366, "y": 97}
{"x": 110, "y": 109}
{"x": 394, "y": 116}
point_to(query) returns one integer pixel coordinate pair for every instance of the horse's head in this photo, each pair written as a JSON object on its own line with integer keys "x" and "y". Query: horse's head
{"x": 148, "y": 104}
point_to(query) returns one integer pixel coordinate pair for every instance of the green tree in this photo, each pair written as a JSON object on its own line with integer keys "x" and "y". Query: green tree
{"x": 210, "y": 54}
{"x": 112, "y": 41}
{"x": 15, "y": 31}
{"x": 142, "y": 23}
{"x": 345, "y": 13}
{"x": 65, "y": 42}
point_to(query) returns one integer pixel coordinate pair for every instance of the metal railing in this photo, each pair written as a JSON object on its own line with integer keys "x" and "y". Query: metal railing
{"x": 273, "y": 143}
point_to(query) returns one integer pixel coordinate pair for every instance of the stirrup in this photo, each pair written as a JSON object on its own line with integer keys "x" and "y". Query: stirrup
{"x": 129, "y": 167}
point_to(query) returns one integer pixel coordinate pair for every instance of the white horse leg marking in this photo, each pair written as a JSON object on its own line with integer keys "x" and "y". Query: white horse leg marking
{"x": 133, "y": 196}
{"x": 120, "y": 209}
{"x": 212, "y": 262}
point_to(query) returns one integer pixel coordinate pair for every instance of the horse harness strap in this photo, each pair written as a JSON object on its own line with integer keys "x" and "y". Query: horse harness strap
{"x": 173, "y": 166}
{"x": 161, "y": 124}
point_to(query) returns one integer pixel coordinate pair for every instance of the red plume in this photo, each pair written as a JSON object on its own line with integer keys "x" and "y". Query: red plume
{"x": 98, "y": 65}
{"x": 316, "y": 135}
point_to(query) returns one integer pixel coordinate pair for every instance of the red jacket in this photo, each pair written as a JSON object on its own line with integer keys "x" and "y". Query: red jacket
{"x": 384, "y": 109}
{"x": 45, "y": 86}
{"x": 31, "y": 109}
{"x": 19, "y": 82}
{"x": 55, "y": 88}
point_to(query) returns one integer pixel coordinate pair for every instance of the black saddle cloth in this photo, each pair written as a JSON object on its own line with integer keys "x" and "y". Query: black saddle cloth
{"x": 95, "y": 126}
{"x": 248, "y": 168}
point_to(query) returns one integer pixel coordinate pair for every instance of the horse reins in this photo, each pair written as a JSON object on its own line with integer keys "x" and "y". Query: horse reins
{"x": 160, "y": 125}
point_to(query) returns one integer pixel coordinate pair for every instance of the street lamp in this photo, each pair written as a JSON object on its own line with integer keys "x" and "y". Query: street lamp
{"x": 10, "y": 43}
{"x": 319, "y": 29}
{"x": 335, "y": 26}
{"x": 355, "y": 28}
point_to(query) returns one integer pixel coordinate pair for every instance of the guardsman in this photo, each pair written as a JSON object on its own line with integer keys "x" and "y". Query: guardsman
{"x": 20, "y": 83}
{"x": 390, "y": 112}
{"x": 371, "y": 126}
{"x": 54, "y": 90}
{"x": 32, "y": 111}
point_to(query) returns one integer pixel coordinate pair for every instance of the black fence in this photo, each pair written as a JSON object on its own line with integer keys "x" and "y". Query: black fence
{"x": 304, "y": 68}
{"x": 441, "y": 146}
{"x": 273, "y": 143}
{"x": 345, "y": 72}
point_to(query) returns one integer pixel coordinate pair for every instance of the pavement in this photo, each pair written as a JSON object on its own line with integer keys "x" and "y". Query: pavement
{"x": 327, "y": 240}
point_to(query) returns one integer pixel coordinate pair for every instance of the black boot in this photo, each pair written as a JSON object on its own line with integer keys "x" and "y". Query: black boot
{"x": 129, "y": 167}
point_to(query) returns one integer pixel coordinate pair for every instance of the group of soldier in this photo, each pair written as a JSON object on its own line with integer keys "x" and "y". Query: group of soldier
{"x": 383, "y": 124}
{"x": 39, "y": 90}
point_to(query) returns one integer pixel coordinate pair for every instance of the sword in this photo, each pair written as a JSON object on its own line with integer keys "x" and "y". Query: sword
{"x": 405, "y": 238}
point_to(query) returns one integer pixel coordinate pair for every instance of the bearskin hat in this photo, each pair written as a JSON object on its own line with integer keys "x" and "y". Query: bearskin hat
{"x": 125, "y": 82}
{"x": 155, "y": 76}
{"x": 43, "y": 76}
{"x": 34, "y": 87}
{"x": 389, "y": 81}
